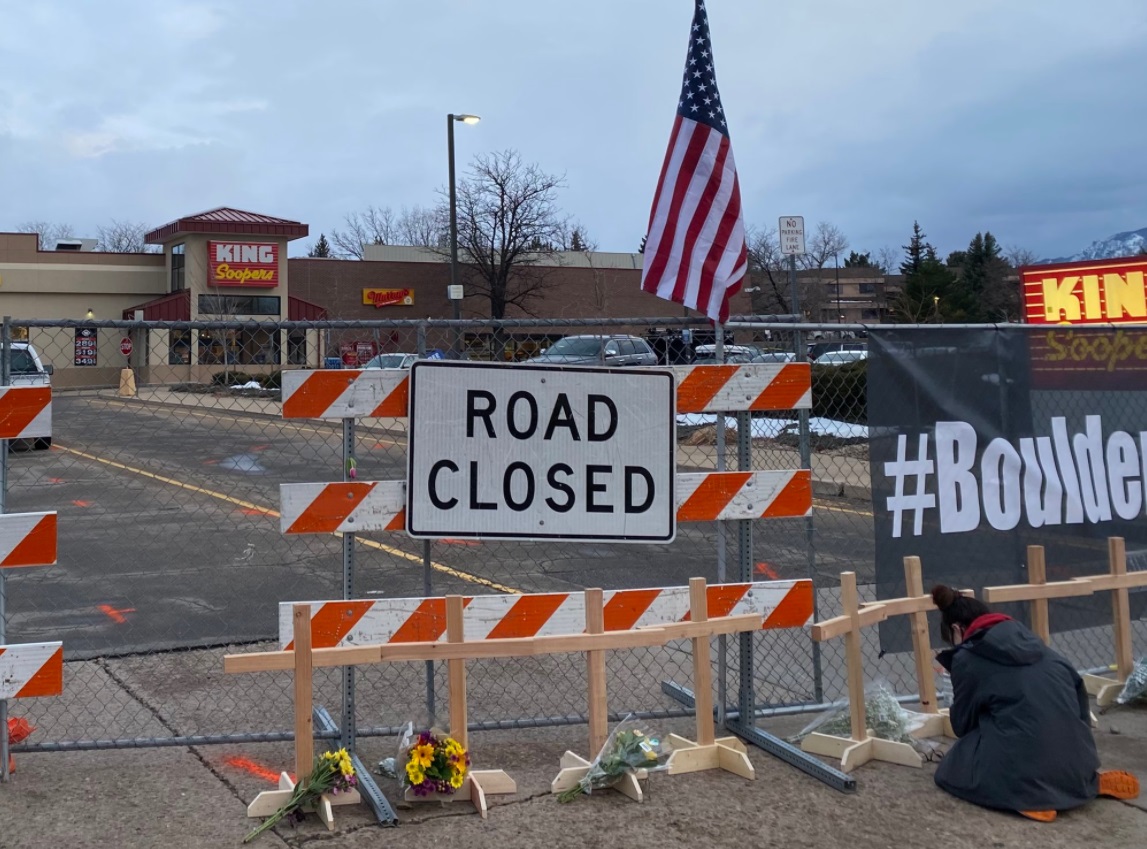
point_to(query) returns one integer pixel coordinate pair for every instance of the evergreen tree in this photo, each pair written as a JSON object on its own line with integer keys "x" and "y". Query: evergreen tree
{"x": 321, "y": 249}
{"x": 915, "y": 251}
{"x": 577, "y": 243}
{"x": 641, "y": 247}
{"x": 986, "y": 293}
{"x": 858, "y": 260}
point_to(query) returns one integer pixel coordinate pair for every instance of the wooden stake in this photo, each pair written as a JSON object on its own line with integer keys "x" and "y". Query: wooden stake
{"x": 595, "y": 671}
{"x": 854, "y": 657}
{"x": 702, "y": 664}
{"x": 921, "y": 641}
{"x": 1037, "y": 576}
{"x": 456, "y": 672}
{"x": 304, "y": 701}
{"x": 1120, "y": 609}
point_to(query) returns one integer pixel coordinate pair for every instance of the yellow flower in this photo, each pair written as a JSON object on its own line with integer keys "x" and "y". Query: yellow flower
{"x": 422, "y": 755}
{"x": 456, "y": 780}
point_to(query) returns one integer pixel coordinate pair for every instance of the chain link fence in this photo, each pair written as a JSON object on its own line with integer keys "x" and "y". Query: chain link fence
{"x": 170, "y": 552}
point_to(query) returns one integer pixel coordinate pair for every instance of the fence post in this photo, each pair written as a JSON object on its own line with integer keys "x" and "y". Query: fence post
{"x": 427, "y": 569}
{"x": 348, "y": 541}
{"x": 809, "y": 524}
{"x": 5, "y": 359}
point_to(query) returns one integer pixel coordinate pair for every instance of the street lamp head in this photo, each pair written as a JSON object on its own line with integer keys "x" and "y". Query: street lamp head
{"x": 467, "y": 119}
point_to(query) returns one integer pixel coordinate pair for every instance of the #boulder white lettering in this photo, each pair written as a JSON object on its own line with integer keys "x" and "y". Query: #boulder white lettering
{"x": 1045, "y": 480}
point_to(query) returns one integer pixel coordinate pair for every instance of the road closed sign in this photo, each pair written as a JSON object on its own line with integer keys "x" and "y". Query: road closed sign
{"x": 536, "y": 452}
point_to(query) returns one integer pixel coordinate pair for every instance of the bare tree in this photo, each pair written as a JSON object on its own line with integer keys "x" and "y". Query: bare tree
{"x": 124, "y": 237}
{"x": 422, "y": 226}
{"x": 888, "y": 259}
{"x": 374, "y": 226}
{"x": 49, "y": 232}
{"x": 768, "y": 271}
{"x": 827, "y": 241}
{"x": 381, "y": 225}
{"x": 508, "y": 229}
{"x": 1018, "y": 257}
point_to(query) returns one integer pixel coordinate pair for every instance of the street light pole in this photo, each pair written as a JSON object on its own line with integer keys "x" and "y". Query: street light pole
{"x": 839, "y": 317}
{"x": 453, "y": 292}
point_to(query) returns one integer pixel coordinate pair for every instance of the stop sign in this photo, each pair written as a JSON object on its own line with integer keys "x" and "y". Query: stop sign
{"x": 125, "y": 346}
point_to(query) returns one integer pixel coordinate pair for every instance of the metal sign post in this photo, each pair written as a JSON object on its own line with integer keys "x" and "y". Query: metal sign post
{"x": 5, "y": 360}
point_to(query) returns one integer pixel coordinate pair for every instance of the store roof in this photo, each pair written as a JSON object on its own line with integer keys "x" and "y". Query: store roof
{"x": 229, "y": 222}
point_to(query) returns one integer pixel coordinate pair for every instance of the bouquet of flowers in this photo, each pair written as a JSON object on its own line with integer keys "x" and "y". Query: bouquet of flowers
{"x": 883, "y": 716}
{"x": 630, "y": 746}
{"x": 332, "y": 772}
{"x": 434, "y": 763}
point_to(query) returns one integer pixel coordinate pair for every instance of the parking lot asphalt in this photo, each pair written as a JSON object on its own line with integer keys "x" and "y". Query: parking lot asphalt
{"x": 169, "y": 533}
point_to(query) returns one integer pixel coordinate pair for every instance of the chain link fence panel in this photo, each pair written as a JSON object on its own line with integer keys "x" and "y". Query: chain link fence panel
{"x": 171, "y": 555}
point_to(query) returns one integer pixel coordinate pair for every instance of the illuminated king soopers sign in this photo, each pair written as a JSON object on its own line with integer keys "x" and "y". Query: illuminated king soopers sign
{"x": 1098, "y": 292}
{"x": 243, "y": 264}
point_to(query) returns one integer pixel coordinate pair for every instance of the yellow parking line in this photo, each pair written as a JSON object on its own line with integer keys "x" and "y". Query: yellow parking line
{"x": 818, "y": 503}
{"x": 248, "y": 505}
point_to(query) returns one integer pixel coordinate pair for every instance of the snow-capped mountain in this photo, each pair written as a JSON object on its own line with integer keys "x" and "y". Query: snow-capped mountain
{"x": 1121, "y": 244}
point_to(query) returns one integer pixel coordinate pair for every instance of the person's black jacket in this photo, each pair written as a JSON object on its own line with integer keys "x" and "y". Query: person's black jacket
{"x": 1023, "y": 719}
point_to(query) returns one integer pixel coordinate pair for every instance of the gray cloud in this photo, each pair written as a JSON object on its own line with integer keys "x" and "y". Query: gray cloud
{"x": 1019, "y": 117}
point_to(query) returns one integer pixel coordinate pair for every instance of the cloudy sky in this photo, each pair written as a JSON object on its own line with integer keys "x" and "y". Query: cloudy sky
{"x": 1025, "y": 117}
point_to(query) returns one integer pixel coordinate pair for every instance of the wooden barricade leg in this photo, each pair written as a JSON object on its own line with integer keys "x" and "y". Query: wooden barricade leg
{"x": 860, "y": 748}
{"x": 1037, "y": 576}
{"x": 708, "y": 752}
{"x": 269, "y": 801}
{"x": 479, "y": 783}
{"x": 938, "y": 724}
{"x": 573, "y": 766}
{"x": 1103, "y": 688}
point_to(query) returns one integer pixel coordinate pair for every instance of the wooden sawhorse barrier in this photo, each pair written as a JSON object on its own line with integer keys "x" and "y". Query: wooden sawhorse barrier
{"x": 707, "y": 751}
{"x": 1118, "y": 581}
{"x": 860, "y": 746}
{"x": 789, "y": 604}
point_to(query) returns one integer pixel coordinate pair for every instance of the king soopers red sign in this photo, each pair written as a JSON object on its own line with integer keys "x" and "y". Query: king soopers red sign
{"x": 243, "y": 264}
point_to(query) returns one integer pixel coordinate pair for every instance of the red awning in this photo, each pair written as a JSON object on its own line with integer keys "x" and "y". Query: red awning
{"x": 173, "y": 307}
{"x": 300, "y": 310}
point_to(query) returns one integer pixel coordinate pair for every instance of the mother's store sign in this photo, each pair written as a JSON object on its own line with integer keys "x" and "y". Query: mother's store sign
{"x": 245, "y": 264}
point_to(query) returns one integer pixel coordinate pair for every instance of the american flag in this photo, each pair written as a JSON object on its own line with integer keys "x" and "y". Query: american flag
{"x": 695, "y": 250}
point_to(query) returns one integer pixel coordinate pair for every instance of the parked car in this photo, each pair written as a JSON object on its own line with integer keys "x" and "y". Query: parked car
{"x": 597, "y": 350}
{"x": 27, "y": 369}
{"x": 816, "y": 349}
{"x": 775, "y": 357}
{"x": 707, "y": 354}
{"x": 839, "y": 358}
{"x": 391, "y": 361}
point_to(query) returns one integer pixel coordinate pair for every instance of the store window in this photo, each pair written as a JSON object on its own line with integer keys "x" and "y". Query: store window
{"x": 239, "y": 347}
{"x": 179, "y": 347}
{"x": 297, "y": 347}
{"x": 232, "y": 305}
{"x": 178, "y": 261}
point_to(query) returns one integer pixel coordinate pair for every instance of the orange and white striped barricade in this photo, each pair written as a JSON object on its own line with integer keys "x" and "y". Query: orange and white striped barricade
{"x": 25, "y": 412}
{"x": 30, "y": 670}
{"x": 27, "y": 539}
{"x": 361, "y": 506}
{"x": 777, "y": 604}
{"x": 384, "y": 393}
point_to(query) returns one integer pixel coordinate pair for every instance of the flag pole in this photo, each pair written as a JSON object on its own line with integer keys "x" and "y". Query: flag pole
{"x": 722, "y": 672}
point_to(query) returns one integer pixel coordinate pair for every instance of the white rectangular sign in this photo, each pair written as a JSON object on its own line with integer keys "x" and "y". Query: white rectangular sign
{"x": 791, "y": 231}
{"x": 541, "y": 452}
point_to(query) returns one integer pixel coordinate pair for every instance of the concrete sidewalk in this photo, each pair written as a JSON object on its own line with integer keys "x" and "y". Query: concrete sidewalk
{"x": 196, "y": 797}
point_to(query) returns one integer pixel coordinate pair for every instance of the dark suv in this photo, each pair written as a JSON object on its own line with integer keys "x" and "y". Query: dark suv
{"x": 597, "y": 350}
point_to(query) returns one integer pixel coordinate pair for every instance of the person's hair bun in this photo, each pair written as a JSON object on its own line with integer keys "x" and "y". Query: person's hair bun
{"x": 943, "y": 596}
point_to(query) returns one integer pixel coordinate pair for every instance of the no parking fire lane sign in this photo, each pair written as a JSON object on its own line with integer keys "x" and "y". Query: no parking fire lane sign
{"x": 541, "y": 452}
